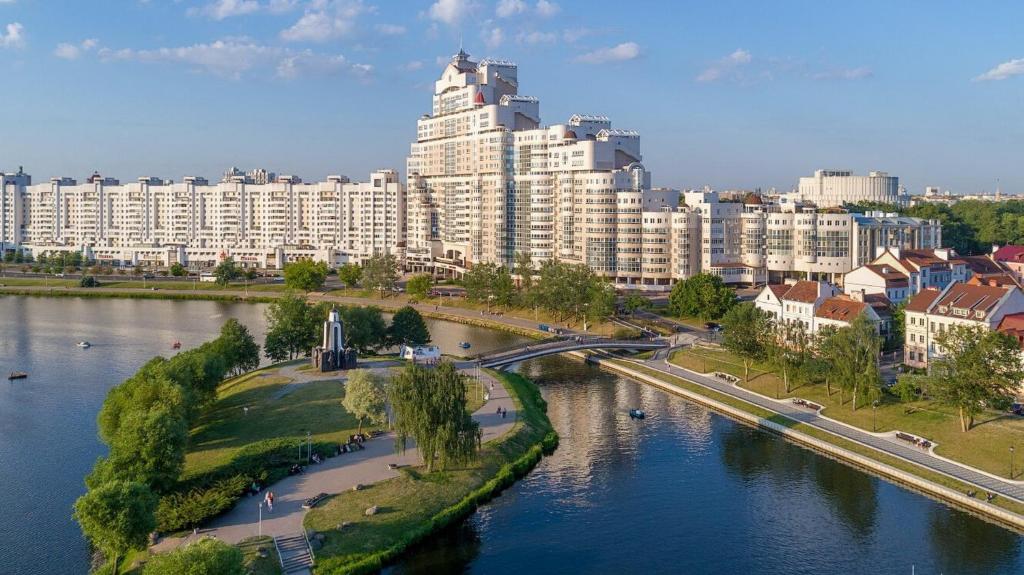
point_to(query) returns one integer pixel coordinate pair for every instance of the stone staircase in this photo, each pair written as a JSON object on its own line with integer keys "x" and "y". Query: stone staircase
{"x": 295, "y": 553}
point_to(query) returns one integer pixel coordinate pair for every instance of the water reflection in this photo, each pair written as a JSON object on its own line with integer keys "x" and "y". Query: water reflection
{"x": 965, "y": 545}
{"x": 854, "y": 496}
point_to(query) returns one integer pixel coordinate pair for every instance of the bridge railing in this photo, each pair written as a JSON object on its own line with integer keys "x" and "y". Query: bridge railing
{"x": 568, "y": 342}
{"x": 517, "y": 346}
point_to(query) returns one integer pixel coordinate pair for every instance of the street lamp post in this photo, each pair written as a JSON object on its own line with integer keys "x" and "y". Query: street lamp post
{"x": 309, "y": 447}
{"x": 260, "y": 523}
{"x": 1011, "y": 462}
{"x": 874, "y": 409}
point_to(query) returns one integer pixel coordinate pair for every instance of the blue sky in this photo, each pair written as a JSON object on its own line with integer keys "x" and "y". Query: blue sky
{"x": 729, "y": 94}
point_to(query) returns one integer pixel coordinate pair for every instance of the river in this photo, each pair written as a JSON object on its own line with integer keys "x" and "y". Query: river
{"x": 685, "y": 491}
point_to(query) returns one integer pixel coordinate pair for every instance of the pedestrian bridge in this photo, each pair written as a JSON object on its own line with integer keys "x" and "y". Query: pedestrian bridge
{"x": 562, "y": 345}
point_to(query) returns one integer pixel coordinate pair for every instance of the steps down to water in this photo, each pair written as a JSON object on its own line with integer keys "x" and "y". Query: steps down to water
{"x": 294, "y": 553}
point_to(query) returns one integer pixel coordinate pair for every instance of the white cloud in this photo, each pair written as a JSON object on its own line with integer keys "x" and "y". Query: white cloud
{"x": 493, "y": 38}
{"x": 73, "y": 51}
{"x": 537, "y": 37}
{"x": 451, "y": 11}
{"x": 324, "y": 20}
{"x": 547, "y": 9}
{"x": 238, "y": 57}
{"x": 621, "y": 53}
{"x": 13, "y": 36}
{"x": 413, "y": 66}
{"x": 726, "y": 66}
{"x": 391, "y": 29}
{"x": 221, "y": 9}
{"x": 1003, "y": 71}
{"x": 844, "y": 74}
{"x": 281, "y": 6}
{"x": 509, "y": 8}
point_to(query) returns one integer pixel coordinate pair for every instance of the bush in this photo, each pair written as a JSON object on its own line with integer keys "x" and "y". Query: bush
{"x": 208, "y": 556}
{"x": 88, "y": 282}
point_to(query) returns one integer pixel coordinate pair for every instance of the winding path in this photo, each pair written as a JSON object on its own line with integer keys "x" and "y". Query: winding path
{"x": 337, "y": 474}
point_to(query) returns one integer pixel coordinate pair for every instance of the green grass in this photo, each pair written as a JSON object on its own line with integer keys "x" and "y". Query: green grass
{"x": 254, "y": 563}
{"x": 986, "y": 446}
{"x": 417, "y": 503}
{"x": 896, "y": 462}
{"x": 225, "y": 427}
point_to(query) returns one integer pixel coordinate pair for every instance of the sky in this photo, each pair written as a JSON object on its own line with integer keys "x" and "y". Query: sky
{"x": 729, "y": 94}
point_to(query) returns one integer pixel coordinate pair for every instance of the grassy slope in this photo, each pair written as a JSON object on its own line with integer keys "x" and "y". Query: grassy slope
{"x": 986, "y": 446}
{"x": 414, "y": 501}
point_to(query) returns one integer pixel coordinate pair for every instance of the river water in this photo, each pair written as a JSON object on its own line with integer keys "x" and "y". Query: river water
{"x": 685, "y": 491}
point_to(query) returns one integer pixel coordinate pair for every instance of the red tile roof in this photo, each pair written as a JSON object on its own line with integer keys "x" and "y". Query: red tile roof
{"x": 779, "y": 289}
{"x": 921, "y": 300}
{"x": 804, "y": 291}
{"x": 890, "y": 274}
{"x": 1009, "y": 253}
{"x": 968, "y": 299}
{"x": 982, "y": 265}
{"x": 841, "y": 308}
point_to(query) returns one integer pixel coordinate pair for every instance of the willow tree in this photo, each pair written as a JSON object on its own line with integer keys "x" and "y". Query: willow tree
{"x": 745, "y": 333}
{"x": 853, "y": 352}
{"x": 429, "y": 407}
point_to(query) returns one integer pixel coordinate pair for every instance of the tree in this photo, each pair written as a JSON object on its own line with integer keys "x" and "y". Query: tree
{"x": 634, "y": 302}
{"x": 704, "y": 296}
{"x": 88, "y": 282}
{"x": 238, "y": 347}
{"x": 745, "y": 329}
{"x": 178, "y": 270}
{"x": 408, "y": 328}
{"x": 978, "y": 366}
{"x": 852, "y": 352}
{"x": 429, "y": 406}
{"x": 789, "y": 350}
{"x": 226, "y": 272}
{"x": 380, "y": 273}
{"x": 350, "y": 274}
{"x": 365, "y": 328}
{"x": 524, "y": 269}
{"x": 479, "y": 282}
{"x": 207, "y": 556}
{"x": 418, "y": 286}
{"x": 899, "y": 324}
{"x": 305, "y": 275}
{"x": 291, "y": 328}
{"x": 117, "y": 517}
{"x": 365, "y": 397}
{"x": 573, "y": 290}
{"x": 149, "y": 448}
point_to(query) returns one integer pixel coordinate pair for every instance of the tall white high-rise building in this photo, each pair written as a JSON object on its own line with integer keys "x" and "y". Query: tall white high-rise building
{"x": 486, "y": 182}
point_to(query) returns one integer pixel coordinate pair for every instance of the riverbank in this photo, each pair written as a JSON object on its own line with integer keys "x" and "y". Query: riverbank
{"x": 415, "y": 505}
{"x": 942, "y": 487}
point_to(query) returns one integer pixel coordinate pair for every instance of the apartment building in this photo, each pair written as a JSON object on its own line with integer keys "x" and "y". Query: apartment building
{"x": 196, "y": 223}
{"x": 933, "y": 311}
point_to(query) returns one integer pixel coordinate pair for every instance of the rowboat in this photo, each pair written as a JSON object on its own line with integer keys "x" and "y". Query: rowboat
{"x": 17, "y": 375}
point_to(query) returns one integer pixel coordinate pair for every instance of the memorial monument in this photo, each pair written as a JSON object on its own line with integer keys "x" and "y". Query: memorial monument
{"x": 332, "y": 353}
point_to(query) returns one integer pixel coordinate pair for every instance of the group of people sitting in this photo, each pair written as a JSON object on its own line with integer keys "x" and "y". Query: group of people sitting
{"x": 355, "y": 443}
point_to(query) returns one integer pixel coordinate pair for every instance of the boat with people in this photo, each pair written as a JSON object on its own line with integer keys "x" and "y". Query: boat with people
{"x": 464, "y": 344}
{"x": 84, "y": 344}
{"x": 637, "y": 413}
{"x": 17, "y": 375}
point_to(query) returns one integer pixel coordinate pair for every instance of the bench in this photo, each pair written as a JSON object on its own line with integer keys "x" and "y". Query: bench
{"x": 314, "y": 501}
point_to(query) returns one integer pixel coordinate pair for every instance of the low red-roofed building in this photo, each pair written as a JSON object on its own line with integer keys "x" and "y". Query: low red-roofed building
{"x": 1012, "y": 258}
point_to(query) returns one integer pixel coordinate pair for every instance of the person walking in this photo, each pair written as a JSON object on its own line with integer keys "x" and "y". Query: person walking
{"x": 269, "y": 500}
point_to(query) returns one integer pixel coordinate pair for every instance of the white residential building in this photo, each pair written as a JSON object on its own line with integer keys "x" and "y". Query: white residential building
{"x": 816, "y": 304}
{"x": 932, "y": 312}
{"x": 195, "y": 223}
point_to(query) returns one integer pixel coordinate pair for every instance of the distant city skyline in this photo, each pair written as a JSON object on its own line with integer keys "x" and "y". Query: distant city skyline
{"x": 730, "y": 95}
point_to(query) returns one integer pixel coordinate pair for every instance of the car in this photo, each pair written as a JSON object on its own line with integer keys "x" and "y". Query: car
{"x": 712, "y": 326}
{"x": 148, "y": 276}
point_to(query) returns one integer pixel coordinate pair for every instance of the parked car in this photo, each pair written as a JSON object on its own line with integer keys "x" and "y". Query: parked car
{"x": 712, "y": 326}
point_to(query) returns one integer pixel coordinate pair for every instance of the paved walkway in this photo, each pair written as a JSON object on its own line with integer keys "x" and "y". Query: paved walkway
{"x": 338, "y": 474}
{"x": 1010, "y": 489}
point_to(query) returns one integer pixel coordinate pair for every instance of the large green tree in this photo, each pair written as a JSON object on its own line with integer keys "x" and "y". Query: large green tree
{"x": 178, "y": 270}
{"x": 365, "y": 328}
{"x": 704, "y": 296}
{"x": 746, "y": 332}
{"x": 207, "y": 556}
{"x": 790, "y": 351}
{"x": 291, "y": 328}
{"x": 365, "y": 397}
{"x": 977, "y": 367}
{"x": 238, "y": 347}
{"x": 408, "y": 328}
{"x": 226, "y": 272}
{"x": 429, "y": 406}
{"x": 380, "y": 273}
{"x": 635, "y": 302}
{"x": 350, "y": 274}
{"x": 852, "y": 352}
{"x": 418, "y": 286}
{"x": 573, "y": 291}
{"x": 117, "y": 517}
{"x": 305, "y": 275}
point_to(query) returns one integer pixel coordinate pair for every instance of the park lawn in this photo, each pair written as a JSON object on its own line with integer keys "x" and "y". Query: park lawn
{"x": 986, "y": 446}
{"x": 26, "y": 282}
{"x": 409, "y": 502}
{"x": 934, "y": 477}
{"x": 254, "y": 563}
{"x": 225, "y": 427}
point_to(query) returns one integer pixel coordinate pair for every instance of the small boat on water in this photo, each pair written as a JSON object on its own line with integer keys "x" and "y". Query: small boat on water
{"x": 464, "y": 344}
{"x": 637, "y": 413}
{"x": 176, "y": 345}
{"x": 17, "y": 375}
{"x": 84, "y": 344}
